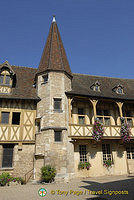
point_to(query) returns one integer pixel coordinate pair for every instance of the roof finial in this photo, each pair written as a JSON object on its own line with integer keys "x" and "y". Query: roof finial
{"x": 54, "y": 20}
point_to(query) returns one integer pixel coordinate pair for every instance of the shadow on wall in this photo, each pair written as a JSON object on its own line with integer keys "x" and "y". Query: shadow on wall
{"x": 111, "y": 190}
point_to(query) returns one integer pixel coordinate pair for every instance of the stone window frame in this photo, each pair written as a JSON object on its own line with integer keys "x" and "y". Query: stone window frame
{"x": 60, "y": 100}
{"x": 61, "y": 136}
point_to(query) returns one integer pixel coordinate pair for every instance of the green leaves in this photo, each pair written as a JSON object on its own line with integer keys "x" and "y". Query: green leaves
{"x": 48, "y": 173}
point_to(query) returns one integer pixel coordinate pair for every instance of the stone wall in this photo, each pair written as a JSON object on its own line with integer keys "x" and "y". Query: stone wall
{"x": 22, "y": 160}
{"x": 58, "y": 154}
{"x": 95, "y": 157}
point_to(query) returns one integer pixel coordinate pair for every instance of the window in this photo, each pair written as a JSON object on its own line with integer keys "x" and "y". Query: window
{"x": 80, "y": 111}
{"x": 83, "y": 153}
{"x": 119, "y": 90}
{"x": 45, "y": 78}
{"x": 16, "y": 118}
{"x": 105, "y": 119}
{"x": 103, "y": 112}
{"x": 7, "y": 155}
{"x": 1, "y": 79}
{"x": 57, "y": 104}
{"x": 4, "y": 117}
{"x": 130, "y": 151}
{"x": 57, "y": 136}
{"x": 81, "y": 117}
{"x": 5, "y": 79}
{"x": 106, "y": 152}
{"x": 96, "y": 86}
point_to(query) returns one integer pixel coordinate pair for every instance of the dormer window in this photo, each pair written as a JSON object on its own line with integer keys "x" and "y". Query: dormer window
{"x": 96, "y": 86}
{"x": 5, "y": 78}
{"x": 118, "y": 89}
{"x": 1, "y": 79}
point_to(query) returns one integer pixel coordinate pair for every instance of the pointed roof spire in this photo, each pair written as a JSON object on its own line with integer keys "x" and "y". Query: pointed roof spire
{"x": 54, "y": 20}
{"x": 54, "y": 56}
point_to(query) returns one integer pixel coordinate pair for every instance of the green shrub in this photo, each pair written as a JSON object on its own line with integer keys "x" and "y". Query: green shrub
{"x": 5, "y": 178}
{"x": 48, "y": 173}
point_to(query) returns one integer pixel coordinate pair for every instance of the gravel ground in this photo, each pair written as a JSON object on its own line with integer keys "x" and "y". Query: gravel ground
{"x": 103, "y": 188}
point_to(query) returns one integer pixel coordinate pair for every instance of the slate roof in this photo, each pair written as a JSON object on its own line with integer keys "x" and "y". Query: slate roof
{"x": 81, "y": 85}
{"x": 54, "y": 56}
{"x": 24, "y": 84}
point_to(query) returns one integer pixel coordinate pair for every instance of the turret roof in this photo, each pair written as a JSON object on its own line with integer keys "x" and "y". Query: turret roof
{"x": 54, "y": 56}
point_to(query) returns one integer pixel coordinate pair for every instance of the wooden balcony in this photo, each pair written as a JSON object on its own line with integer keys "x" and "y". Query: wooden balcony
{"x": 85, "y": 131}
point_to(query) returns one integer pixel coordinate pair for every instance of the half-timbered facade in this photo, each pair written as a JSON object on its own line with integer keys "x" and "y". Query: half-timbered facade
{"x": 47, "y": 117}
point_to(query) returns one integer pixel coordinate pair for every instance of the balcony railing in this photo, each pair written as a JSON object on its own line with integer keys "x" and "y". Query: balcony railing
{"x": 78, "y": 130}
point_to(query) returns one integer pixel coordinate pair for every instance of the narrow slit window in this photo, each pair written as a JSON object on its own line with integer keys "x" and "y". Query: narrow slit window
{"x": 16, "y": 118}
{"x": 45, "y": 78}
{"x": 57, "y": 104}
{"x": 57, "y": 136}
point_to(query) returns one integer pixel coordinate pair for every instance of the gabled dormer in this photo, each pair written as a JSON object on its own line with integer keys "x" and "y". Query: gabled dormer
{"x": 96, "y": 86}
{"x": 118, "y": 89}
{"x": 7, "y": 78}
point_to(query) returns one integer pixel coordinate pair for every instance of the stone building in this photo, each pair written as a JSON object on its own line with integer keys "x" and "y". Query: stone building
{"x": 47, "y": 116}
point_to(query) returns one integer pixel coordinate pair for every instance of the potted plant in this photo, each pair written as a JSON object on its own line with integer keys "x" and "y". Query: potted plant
{"x": 84, "y": 165}
{"x": 107, "y": 163}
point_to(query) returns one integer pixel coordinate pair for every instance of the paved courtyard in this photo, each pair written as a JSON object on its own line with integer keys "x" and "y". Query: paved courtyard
{"x": 103, "y": 188}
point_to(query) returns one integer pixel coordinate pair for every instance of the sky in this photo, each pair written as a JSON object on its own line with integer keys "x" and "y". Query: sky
{"x": 98, "y": 35}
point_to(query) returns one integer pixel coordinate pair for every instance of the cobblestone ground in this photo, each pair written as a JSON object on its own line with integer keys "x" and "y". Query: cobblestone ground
{"x": 74, "y": 190}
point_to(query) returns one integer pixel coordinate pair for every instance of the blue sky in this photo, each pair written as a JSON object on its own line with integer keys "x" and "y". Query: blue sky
{"x": 98, "y": 35}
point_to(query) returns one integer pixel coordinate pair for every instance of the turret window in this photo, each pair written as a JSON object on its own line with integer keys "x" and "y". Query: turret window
{"x": 45, "y": 78}
{"x": 57, "y": 136}
{"x": 57, "y": 104}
